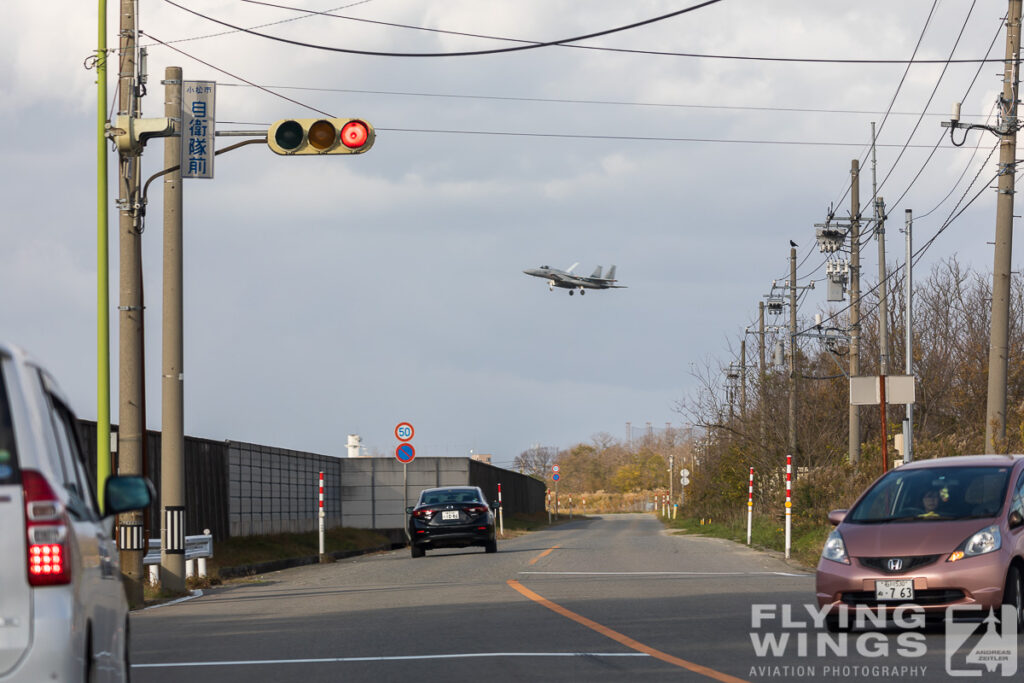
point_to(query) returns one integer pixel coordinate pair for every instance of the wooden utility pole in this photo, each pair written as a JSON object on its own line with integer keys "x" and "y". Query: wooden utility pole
{"x": 995, "y": 413}
{"x": 131, "y": 398}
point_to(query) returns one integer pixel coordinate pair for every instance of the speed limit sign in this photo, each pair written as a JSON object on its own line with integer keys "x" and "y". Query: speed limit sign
{"x": 404, "y": 431}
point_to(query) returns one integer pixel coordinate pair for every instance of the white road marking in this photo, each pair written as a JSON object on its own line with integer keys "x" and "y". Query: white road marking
{"x": 667, "y": 573}
{"x": 332, "y": 660}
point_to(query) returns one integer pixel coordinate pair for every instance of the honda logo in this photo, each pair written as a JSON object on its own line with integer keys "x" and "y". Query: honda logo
{"x": 895, "y": 564}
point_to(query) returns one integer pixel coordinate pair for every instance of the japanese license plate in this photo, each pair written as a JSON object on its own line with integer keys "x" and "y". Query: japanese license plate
{"x": 449, "y": 515}
{"x": 895, "y": 589}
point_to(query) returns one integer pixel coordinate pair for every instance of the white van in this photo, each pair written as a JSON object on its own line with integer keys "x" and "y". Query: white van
{"x": 63, "y": 612}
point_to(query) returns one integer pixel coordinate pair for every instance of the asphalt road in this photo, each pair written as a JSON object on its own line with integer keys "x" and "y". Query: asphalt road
{"x": 614, "y": 598}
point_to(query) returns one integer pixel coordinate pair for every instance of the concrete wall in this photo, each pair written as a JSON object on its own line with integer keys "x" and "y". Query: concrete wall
{"x": 375, "y": 491}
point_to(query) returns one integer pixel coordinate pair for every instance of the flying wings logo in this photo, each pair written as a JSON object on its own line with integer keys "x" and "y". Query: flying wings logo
{"x": 974, "y": 650}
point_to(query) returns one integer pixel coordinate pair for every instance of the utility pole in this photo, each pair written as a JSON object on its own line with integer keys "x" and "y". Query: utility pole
{"x": 883, "y": 303}
{"x": 671, "y": 476}
{"x": 995, "y": 413}
{"x": 761, "y": 380}
{"x": 743, "y": 379}
{"x": 854, "y": 441}
{"x": 131, "y": 411}
{"x": 172, "y": 432}
{"x": 792, "y": 351}
{"x": 908, "y": 423}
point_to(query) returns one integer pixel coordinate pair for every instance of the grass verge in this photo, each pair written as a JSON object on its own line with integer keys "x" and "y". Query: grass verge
{"x": 766, "y": 533}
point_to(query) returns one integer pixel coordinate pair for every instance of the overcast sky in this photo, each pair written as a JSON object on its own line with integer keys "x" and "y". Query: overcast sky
{"x": 336, "y": 295}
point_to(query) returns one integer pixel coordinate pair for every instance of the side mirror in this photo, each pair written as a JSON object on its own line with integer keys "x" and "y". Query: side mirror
{"x": 127, "y": 493}
{"x": 837, "y": 516}
{"x": 1015, "y": 520}
{"x": 495, "y": 505}
{"x": 408, "y": 510}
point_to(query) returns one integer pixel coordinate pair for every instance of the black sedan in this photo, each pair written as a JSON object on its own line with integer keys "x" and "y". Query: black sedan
{"x": 452, "y": 517}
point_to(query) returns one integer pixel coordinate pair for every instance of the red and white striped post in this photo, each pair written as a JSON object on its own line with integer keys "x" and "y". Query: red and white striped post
{"x": 789, "y": 502}
{"x": 750, "y": 503}
{"x": 501, "y": 512}
{"x": 321, "y": 513}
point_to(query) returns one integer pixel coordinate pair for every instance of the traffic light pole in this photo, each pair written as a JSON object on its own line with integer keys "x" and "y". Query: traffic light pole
{"x": 131, "y": 396}
{"x": 102, "y": 268}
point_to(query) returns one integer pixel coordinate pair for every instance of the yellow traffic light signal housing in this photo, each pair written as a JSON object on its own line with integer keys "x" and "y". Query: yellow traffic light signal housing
{"x": 320, "y": 136}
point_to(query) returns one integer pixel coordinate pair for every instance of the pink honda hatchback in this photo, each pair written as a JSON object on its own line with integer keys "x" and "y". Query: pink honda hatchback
{"x": 931, "y": 534}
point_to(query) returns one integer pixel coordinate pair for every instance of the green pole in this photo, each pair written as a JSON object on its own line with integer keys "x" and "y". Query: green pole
{"x": 102, "y": 274}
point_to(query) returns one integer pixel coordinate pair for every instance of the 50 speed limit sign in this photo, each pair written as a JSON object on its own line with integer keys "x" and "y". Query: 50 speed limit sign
{"x": 404, "y": 431}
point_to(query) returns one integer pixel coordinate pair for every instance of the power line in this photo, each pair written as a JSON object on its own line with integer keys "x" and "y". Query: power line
{"x": 563, "y": 100}
{"x": 799, "y": 143}
{"x": 899, "y": 86}
{"x": 272, "y": 23}
{"x": 564, "y": 42}
{"x": 519, "y": 48}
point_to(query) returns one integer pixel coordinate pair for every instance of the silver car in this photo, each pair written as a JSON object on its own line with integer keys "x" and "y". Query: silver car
{"x": 63, "y": 612}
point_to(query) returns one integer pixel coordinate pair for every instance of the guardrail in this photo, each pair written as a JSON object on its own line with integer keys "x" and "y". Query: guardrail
{"x": 196, "y": 548}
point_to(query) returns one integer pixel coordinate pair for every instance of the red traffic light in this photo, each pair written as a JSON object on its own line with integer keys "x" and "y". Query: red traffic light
{"x": 354, "y": 134}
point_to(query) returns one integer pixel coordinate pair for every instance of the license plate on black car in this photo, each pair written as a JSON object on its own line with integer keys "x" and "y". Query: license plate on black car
{"x": 449, "y": 515}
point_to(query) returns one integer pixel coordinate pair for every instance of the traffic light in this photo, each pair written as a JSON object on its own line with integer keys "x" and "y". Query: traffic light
{"x": 320, "y": 136}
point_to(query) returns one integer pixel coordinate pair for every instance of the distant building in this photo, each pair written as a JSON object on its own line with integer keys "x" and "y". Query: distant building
{"x": 355, "y": 446}
{"x": 485, "y": 458}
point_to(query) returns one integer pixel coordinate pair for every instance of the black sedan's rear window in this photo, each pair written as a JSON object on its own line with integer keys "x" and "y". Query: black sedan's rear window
{"x": 8, "y": 457}
{"x": 442, "y": 496}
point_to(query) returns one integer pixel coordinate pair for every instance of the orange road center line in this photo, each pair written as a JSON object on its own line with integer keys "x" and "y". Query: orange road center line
{"x": 619, "y": 637}
{"x": 544, "y": 554}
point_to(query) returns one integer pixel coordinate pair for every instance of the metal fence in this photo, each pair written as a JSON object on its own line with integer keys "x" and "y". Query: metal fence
{"x": 241, "y": 489}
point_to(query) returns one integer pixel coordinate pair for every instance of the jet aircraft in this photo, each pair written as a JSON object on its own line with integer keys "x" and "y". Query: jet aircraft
{"x": 566, "y": 279}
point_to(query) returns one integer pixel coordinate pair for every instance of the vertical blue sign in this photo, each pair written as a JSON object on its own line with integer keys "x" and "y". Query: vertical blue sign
{"x": 198, "y": 100}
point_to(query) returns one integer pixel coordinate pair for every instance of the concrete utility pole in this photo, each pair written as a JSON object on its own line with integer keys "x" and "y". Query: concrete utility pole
{"x": 908, "y": 423}
{"x": 792, "y": 351}
{"x": 995, "y": 413}
{"x": 761, "y": 380}
{"x": 131, "y": 398}
{"x": 854, "y": 441}
{"x": 172, "y": 434}
{"x": 883, "y": 303}
{"x": 883, "y": 327}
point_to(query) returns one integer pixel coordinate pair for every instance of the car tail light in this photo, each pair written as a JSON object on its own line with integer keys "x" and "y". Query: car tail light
{"x": 423, "y": 514}
{"x": 46, "y": 531}
{"x": 477, "y": 509}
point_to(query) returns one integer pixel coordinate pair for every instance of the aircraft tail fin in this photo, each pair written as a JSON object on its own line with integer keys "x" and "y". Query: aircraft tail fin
{"x": 597, "y": 273}
{"x": 610, "y": 275}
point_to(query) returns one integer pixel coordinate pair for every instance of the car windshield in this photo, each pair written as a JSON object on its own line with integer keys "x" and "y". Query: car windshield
{"x": 933, "y": 494}
{"x": 442, "y": 496}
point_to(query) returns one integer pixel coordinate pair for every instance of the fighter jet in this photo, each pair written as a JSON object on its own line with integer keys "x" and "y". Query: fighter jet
{"x": 565, "y": 279}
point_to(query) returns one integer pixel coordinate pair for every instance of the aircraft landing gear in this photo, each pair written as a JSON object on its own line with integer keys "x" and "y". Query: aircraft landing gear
{"x": 582, "y": 292}
{"x": 571, "y": 292}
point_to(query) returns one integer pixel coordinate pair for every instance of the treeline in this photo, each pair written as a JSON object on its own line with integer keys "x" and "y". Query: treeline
{"x": 611, "y": 466}
{"x": 951, "y": 316}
